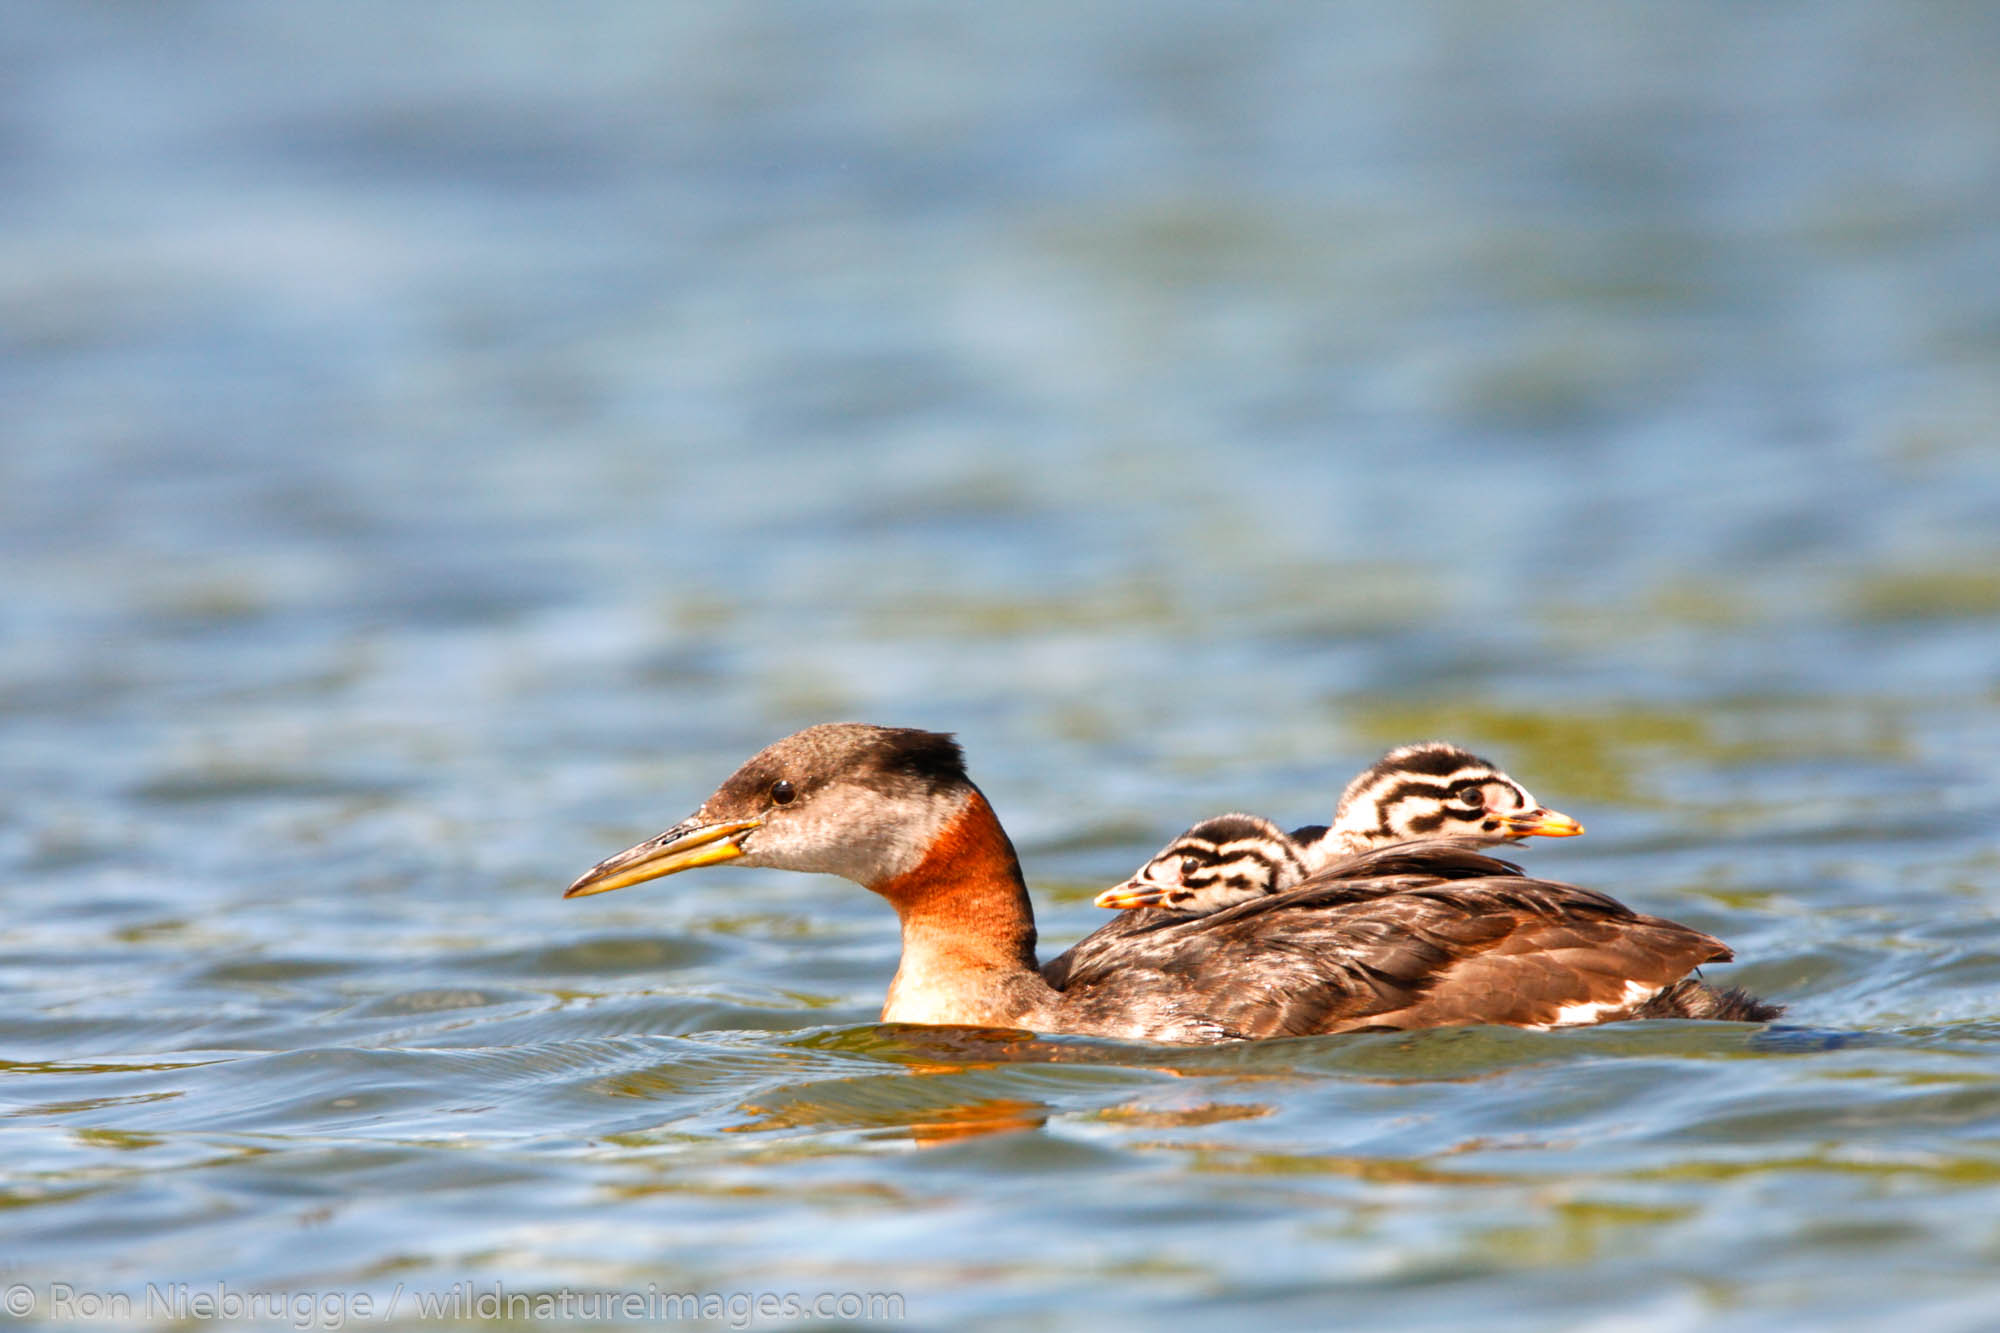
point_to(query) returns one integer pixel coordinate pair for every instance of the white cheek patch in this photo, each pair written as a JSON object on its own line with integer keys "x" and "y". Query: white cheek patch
{"x": 860, "y": 835}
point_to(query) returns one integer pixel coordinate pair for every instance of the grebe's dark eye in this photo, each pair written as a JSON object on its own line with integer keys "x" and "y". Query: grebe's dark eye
{"x": 1474, "y": 797}
{"x": 1189, "y": 864}
{"x": 781, "y": 792}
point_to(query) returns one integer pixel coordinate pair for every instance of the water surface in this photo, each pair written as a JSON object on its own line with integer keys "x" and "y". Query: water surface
{"x": 439, "y": 446}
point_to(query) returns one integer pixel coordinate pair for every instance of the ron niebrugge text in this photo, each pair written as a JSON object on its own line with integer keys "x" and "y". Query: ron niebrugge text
{"x": 336, "y": 1309}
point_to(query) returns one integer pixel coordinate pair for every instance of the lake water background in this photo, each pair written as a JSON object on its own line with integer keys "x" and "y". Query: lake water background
{"x": 440, "y": 443}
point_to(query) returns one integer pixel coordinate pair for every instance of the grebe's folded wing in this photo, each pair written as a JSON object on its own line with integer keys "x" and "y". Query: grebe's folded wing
{"x": 1471, "y": 940}
{"x": 1368, "y": 874}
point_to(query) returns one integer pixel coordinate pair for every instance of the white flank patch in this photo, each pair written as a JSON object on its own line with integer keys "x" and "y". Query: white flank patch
{"x": 1594, "y": 1011}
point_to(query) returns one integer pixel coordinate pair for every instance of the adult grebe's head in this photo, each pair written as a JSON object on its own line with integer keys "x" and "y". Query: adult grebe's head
{"x": 863, "y": 802}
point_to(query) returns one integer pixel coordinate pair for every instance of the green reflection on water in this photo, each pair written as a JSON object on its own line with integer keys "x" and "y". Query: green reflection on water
{"x": 1596, "y": 750}
{"x": 1580, "y": 1230}
{"x": 1929, "y": 594}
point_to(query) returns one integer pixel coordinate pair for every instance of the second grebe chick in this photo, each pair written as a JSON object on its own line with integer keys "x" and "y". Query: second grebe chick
{"x": 1430, "y": 790}
{"x": 1433, "y": 789}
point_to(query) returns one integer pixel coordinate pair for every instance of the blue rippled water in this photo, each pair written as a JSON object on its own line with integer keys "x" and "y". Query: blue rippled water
{"x": 441, "y": 443}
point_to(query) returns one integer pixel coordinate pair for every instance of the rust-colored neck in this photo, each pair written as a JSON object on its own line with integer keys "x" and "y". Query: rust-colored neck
{"x": 968, "y": 928}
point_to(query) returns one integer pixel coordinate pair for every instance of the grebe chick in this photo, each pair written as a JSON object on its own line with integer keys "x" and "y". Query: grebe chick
{"x": 1430, "y": 790}
{"x": 1218, "y": 863}
{"x": 1417, "y": 935}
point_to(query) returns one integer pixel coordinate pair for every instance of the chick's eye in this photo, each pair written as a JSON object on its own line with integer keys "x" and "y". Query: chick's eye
{"x": 1475, "y": 797}
{"x": 782, "y": 792}
{"x": 1189, "y": 865}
